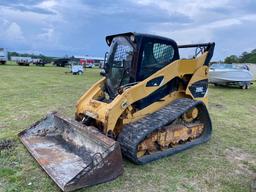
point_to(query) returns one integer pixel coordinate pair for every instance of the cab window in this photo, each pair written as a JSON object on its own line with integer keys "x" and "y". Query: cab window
{"x": 155, "y": 56}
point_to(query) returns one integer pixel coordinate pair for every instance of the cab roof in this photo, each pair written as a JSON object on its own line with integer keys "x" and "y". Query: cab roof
{"x": 109, "y": 38}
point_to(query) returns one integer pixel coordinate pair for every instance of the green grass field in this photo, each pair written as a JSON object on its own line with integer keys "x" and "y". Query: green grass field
{"x": 226, "y": 163}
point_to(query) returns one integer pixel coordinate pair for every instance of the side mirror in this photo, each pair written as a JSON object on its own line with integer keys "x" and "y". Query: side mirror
{"x": 103, "y": 73}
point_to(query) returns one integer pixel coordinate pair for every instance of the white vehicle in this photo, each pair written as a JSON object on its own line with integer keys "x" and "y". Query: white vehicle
{"x": 3, "y": 56}
{"x": 90, "y": 65}
{"x": 77, "y": 69}
{"x": 230, "y": 74}
{"x": 25, "y": 61}
{"x": 34, "y": 61}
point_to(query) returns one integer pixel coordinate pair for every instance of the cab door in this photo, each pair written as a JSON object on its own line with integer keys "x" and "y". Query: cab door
{"x": 154, "y": 55}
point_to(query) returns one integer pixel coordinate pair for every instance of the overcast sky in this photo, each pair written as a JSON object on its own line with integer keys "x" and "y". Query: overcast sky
{"x": 79, "y": 27}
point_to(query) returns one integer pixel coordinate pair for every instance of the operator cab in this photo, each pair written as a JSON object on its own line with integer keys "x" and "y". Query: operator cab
{"x": 133, "y": 57}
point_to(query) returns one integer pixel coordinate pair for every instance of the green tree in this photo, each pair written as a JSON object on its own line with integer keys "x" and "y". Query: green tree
{"x": 231, "y": 59}
{"x": 244, "y": 57}
{"x": 251, "y": 58}
{"x": 253, "y": 51}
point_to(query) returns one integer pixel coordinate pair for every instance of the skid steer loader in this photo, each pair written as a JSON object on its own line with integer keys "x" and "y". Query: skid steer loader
{"x": 150, "y": 104}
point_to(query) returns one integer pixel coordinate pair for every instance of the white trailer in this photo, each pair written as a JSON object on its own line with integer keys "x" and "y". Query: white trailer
{"x": 34, "y": 61}
{"x": 3, "y": 56}
{"x": 25, "y": 61}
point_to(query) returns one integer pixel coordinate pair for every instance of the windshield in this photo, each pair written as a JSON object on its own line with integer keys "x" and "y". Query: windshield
{"x": 119, "y": 63}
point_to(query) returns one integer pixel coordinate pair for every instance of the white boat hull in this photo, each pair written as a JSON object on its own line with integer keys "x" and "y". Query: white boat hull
{"x": 230, "y": 76}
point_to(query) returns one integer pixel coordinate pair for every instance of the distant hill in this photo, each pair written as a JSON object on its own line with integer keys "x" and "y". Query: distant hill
{"x": 245, "y": 57}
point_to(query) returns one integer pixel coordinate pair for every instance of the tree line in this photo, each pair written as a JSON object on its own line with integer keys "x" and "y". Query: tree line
{"x": 245, "y": 57}
{"x": 33, "y": 56}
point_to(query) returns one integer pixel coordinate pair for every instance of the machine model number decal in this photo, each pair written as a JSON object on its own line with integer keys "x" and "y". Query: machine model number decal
{"x": 199, "y": 89}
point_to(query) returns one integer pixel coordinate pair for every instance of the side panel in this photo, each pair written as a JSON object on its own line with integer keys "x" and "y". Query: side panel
{"x": 87, "y": 101}
{"x": 109, "y": 113}
{"x": 198, "y": 85}
{"x": 178, "y": 68}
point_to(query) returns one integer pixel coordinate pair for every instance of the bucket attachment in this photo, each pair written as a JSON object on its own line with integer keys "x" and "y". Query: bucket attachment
{"x": 73, "y": 155}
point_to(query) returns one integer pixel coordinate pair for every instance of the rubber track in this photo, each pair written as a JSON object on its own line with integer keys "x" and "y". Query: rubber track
{"x": 133, "y": 134}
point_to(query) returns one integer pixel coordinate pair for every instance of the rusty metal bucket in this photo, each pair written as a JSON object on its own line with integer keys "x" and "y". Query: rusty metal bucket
{"x": 73, "y": 155}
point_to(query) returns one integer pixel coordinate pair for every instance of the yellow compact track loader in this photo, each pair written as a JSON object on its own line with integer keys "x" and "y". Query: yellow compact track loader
{"x": 150, "y": 104}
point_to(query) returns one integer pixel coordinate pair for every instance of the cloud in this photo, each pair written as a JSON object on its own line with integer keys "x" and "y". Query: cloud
{"x": 186, "y": 7}
{"x": 14, "y": 32}
{"x": 59, "y": 27}
{"x": 48, "y": 5}
{"x": 40, "y": 25}
{"x": 196, "y": 33}
{"x": 47, "y": 34}
{"x": 207, "y": 21}
{"x": 11, "y": 31}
